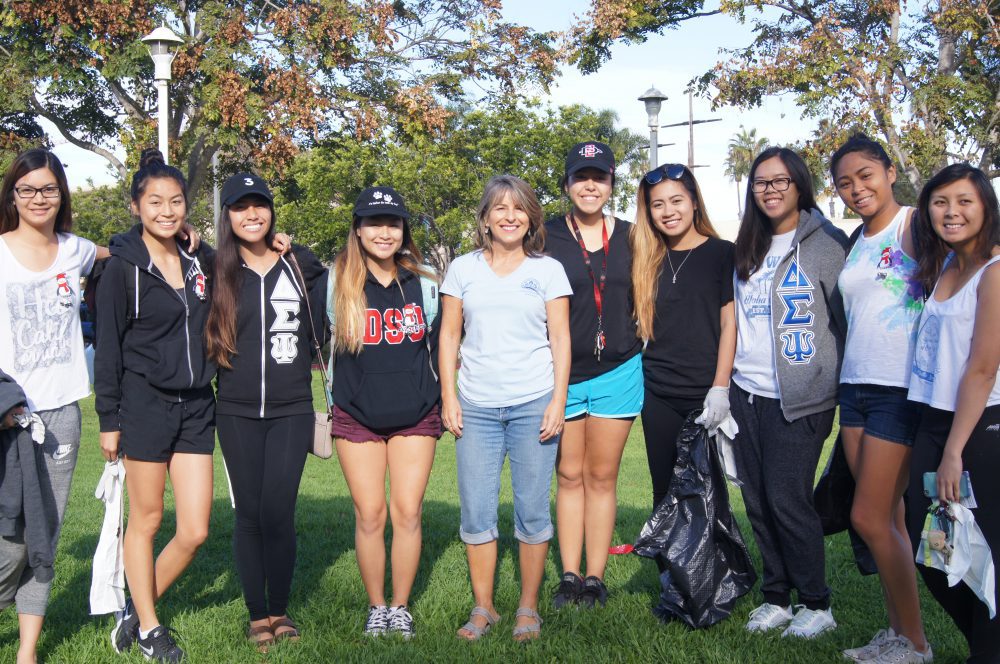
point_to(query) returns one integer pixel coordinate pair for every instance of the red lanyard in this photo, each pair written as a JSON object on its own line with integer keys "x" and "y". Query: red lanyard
{"x": 598, "y": 283}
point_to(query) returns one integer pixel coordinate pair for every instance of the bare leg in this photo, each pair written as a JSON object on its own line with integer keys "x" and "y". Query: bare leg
{"x": 410, "y": 461}
{"x": 532, "y": 558}
{"x": 364, "y": 467}
{"x": 605, "y": 444}
{"x": 482, "y": 571}
{"x": 145, "y": 481}
{"x": 883, "y": 471}
{"x": 191, "y": 477}
{"x": 570, "y": 500}
{"x": 30, "y": 629}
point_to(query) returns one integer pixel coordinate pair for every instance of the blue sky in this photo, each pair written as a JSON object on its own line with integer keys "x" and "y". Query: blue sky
{"x": 666, "y": 61}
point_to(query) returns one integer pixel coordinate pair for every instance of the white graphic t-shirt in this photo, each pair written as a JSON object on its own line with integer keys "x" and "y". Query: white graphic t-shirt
{"x": 506, "y": 357}
{"x": 753, "y": 368}
{"x": 41, "y": 342}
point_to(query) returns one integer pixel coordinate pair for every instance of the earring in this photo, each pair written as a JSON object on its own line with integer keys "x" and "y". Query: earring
{"x": 487, "y": 230}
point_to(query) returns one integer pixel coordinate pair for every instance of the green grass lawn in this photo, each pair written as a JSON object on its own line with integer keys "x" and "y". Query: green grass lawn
{"x": 329, "y": 603}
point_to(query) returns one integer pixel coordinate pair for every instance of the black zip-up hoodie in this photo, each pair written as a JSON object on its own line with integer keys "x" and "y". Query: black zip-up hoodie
{"x": 157, "y": 335}
{"x": 271, "y": 373}
{"x": 390, "y": 384}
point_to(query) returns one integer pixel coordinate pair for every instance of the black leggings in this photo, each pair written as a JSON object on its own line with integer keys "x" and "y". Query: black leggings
{"x": 265, "y": 459}
{"x": 662, "y": 420}
{"x": 981, "y": 457}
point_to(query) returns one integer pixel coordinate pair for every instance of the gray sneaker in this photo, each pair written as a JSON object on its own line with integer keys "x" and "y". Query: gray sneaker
{"x": 901, "y": 651}
{"x": 879, "y": 643}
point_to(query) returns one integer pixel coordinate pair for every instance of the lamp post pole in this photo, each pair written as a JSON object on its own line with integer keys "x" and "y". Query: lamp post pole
{"x": 161, "y": 43}
{"x": 653, "y": 99}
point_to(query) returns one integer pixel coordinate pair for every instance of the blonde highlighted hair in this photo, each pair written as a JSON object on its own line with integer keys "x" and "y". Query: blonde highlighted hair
{"x": 350, "y": 273}
{"x": 522, "y": 196}
{"x": 649, "y": 248}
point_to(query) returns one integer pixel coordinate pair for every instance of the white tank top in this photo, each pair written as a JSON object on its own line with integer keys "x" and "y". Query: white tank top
{"x": 883, "y": 300}
{"x": 943, "y": 345}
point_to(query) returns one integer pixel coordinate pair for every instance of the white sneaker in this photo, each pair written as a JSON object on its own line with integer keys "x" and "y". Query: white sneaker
{"x": 879, "y": 643}
{"x": 901, "y": 651}
{"x": 769, "y": 616}
{"x": 378, "y": 620}
{"x": 810, "y": 623}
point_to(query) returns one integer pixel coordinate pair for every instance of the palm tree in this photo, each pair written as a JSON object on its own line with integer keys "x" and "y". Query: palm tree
{"x": 743, "y": 148}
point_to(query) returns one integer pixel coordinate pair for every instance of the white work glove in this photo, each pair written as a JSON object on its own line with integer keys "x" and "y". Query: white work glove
{"x": 715, "y": 408}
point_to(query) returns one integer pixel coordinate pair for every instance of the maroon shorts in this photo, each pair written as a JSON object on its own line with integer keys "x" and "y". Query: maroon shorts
{"x": 346, "y": 427}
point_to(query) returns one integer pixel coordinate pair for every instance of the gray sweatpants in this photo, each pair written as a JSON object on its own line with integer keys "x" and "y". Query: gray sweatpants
{"x": 776, "y": 460}
{"x": 62, "y": 444}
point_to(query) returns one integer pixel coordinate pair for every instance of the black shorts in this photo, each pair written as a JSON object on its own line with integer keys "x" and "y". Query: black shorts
{"x": 154, "y": 428}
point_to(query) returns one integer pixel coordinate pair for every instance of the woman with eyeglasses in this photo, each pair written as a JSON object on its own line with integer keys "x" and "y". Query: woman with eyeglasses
{"x": 41, "y": 347}
{"x": 682, "y": 277}
{"x": 789, "y": 346}
{"x": 605, "y": 382}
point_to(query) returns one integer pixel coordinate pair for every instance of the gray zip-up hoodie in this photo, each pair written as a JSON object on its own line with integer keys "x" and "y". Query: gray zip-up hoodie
{"x": 807, "y": 317}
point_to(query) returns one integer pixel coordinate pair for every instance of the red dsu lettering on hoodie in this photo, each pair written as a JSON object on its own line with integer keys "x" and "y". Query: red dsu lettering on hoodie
{"x": 392, "y": 326}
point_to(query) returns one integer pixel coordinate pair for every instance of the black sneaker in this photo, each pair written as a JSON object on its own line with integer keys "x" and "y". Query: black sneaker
{"x": 568, "y": 591}
{"x": 126, "y": 629}
{"x": 160, "y": 646}
{"x": 594, "y": 592}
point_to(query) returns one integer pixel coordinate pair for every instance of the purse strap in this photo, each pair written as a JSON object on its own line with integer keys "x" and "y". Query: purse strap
{"x": 312, "y": 328}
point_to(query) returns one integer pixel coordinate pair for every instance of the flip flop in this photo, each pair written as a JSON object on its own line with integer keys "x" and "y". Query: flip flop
{"x": 530, "y": 631}
{"x": 475, "y": 631}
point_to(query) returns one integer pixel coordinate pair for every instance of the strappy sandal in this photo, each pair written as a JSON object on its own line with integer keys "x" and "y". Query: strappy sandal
{"x": 530, "y": 631}
{"x": 291, "y": 634}
{"x": 475, "y": 631}
{"x": 261, "y": 636}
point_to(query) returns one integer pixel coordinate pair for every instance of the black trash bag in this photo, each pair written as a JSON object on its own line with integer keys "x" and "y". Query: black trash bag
{"x": 694, "y": 538}
{"x": 833, "y": 497}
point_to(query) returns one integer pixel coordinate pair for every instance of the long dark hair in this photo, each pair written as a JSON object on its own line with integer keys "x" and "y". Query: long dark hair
{"x": 27, "y": 161}
{"x": 756, "y": 231}
{"x": 220, "y": 328}
{"x": 930, "y": 260}
{"x": 152, "y": 166}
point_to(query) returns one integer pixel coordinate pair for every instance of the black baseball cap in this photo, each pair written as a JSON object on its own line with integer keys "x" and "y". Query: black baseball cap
{"x": 380, "y": 201}
{"x": 244, "y": 184}
{"x": 591, "y": 154}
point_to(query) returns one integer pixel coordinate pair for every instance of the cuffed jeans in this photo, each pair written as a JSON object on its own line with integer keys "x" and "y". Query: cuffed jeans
{"x": 489, "y": 435}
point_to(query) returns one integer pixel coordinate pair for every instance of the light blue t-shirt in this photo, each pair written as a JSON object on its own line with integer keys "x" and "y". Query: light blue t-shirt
{"x": 506, "y": 357}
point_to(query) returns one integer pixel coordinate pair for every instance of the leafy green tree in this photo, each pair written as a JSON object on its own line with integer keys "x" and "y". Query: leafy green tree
{"x": 743, "y": 149}
{"x": 256, "y": 81}
{"x": 923, "y": 77}
{"x": 442, "y": 178}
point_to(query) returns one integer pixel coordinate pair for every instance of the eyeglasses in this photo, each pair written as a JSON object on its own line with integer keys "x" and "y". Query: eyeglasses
{"x": 778, "y": 184}
{"x": 26, "y": 192}
{"x": 667, "y": 171}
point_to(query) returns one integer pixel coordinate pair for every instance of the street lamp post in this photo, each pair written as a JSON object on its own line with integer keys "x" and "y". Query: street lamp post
{"x": 653, "y": 99}
{"x": 161, "y": 43}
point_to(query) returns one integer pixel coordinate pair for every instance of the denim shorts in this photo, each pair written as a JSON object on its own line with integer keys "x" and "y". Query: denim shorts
{"x": 615, "y": 394}
{"x": 489, "y": 435}
{"x": 883, "y": 412}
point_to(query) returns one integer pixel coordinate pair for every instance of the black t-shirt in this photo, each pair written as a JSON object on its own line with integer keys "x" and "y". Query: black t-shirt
{"x": 680, "y": 360}
{"x": 621, "y": 341}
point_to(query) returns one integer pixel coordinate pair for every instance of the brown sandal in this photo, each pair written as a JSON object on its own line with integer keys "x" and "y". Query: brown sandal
{"x": 261, "y": 636}
{"x": 292, "y": 633}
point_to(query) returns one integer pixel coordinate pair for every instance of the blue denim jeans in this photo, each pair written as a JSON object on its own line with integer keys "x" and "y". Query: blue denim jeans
{"x": 489, "y": 435}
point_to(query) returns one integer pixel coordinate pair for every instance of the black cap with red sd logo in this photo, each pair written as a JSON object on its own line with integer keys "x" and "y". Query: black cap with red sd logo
{"x": 592, "y": 154}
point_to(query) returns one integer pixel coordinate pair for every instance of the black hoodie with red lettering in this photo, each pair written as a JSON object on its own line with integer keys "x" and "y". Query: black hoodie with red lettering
{"x": 391, "y": 384}
{"x": 271, "y": 370}
{"x": 148, "y": 328}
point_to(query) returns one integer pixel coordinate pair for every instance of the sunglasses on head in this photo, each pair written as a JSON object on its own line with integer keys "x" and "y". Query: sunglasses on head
{"x": 666, "y": 171}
